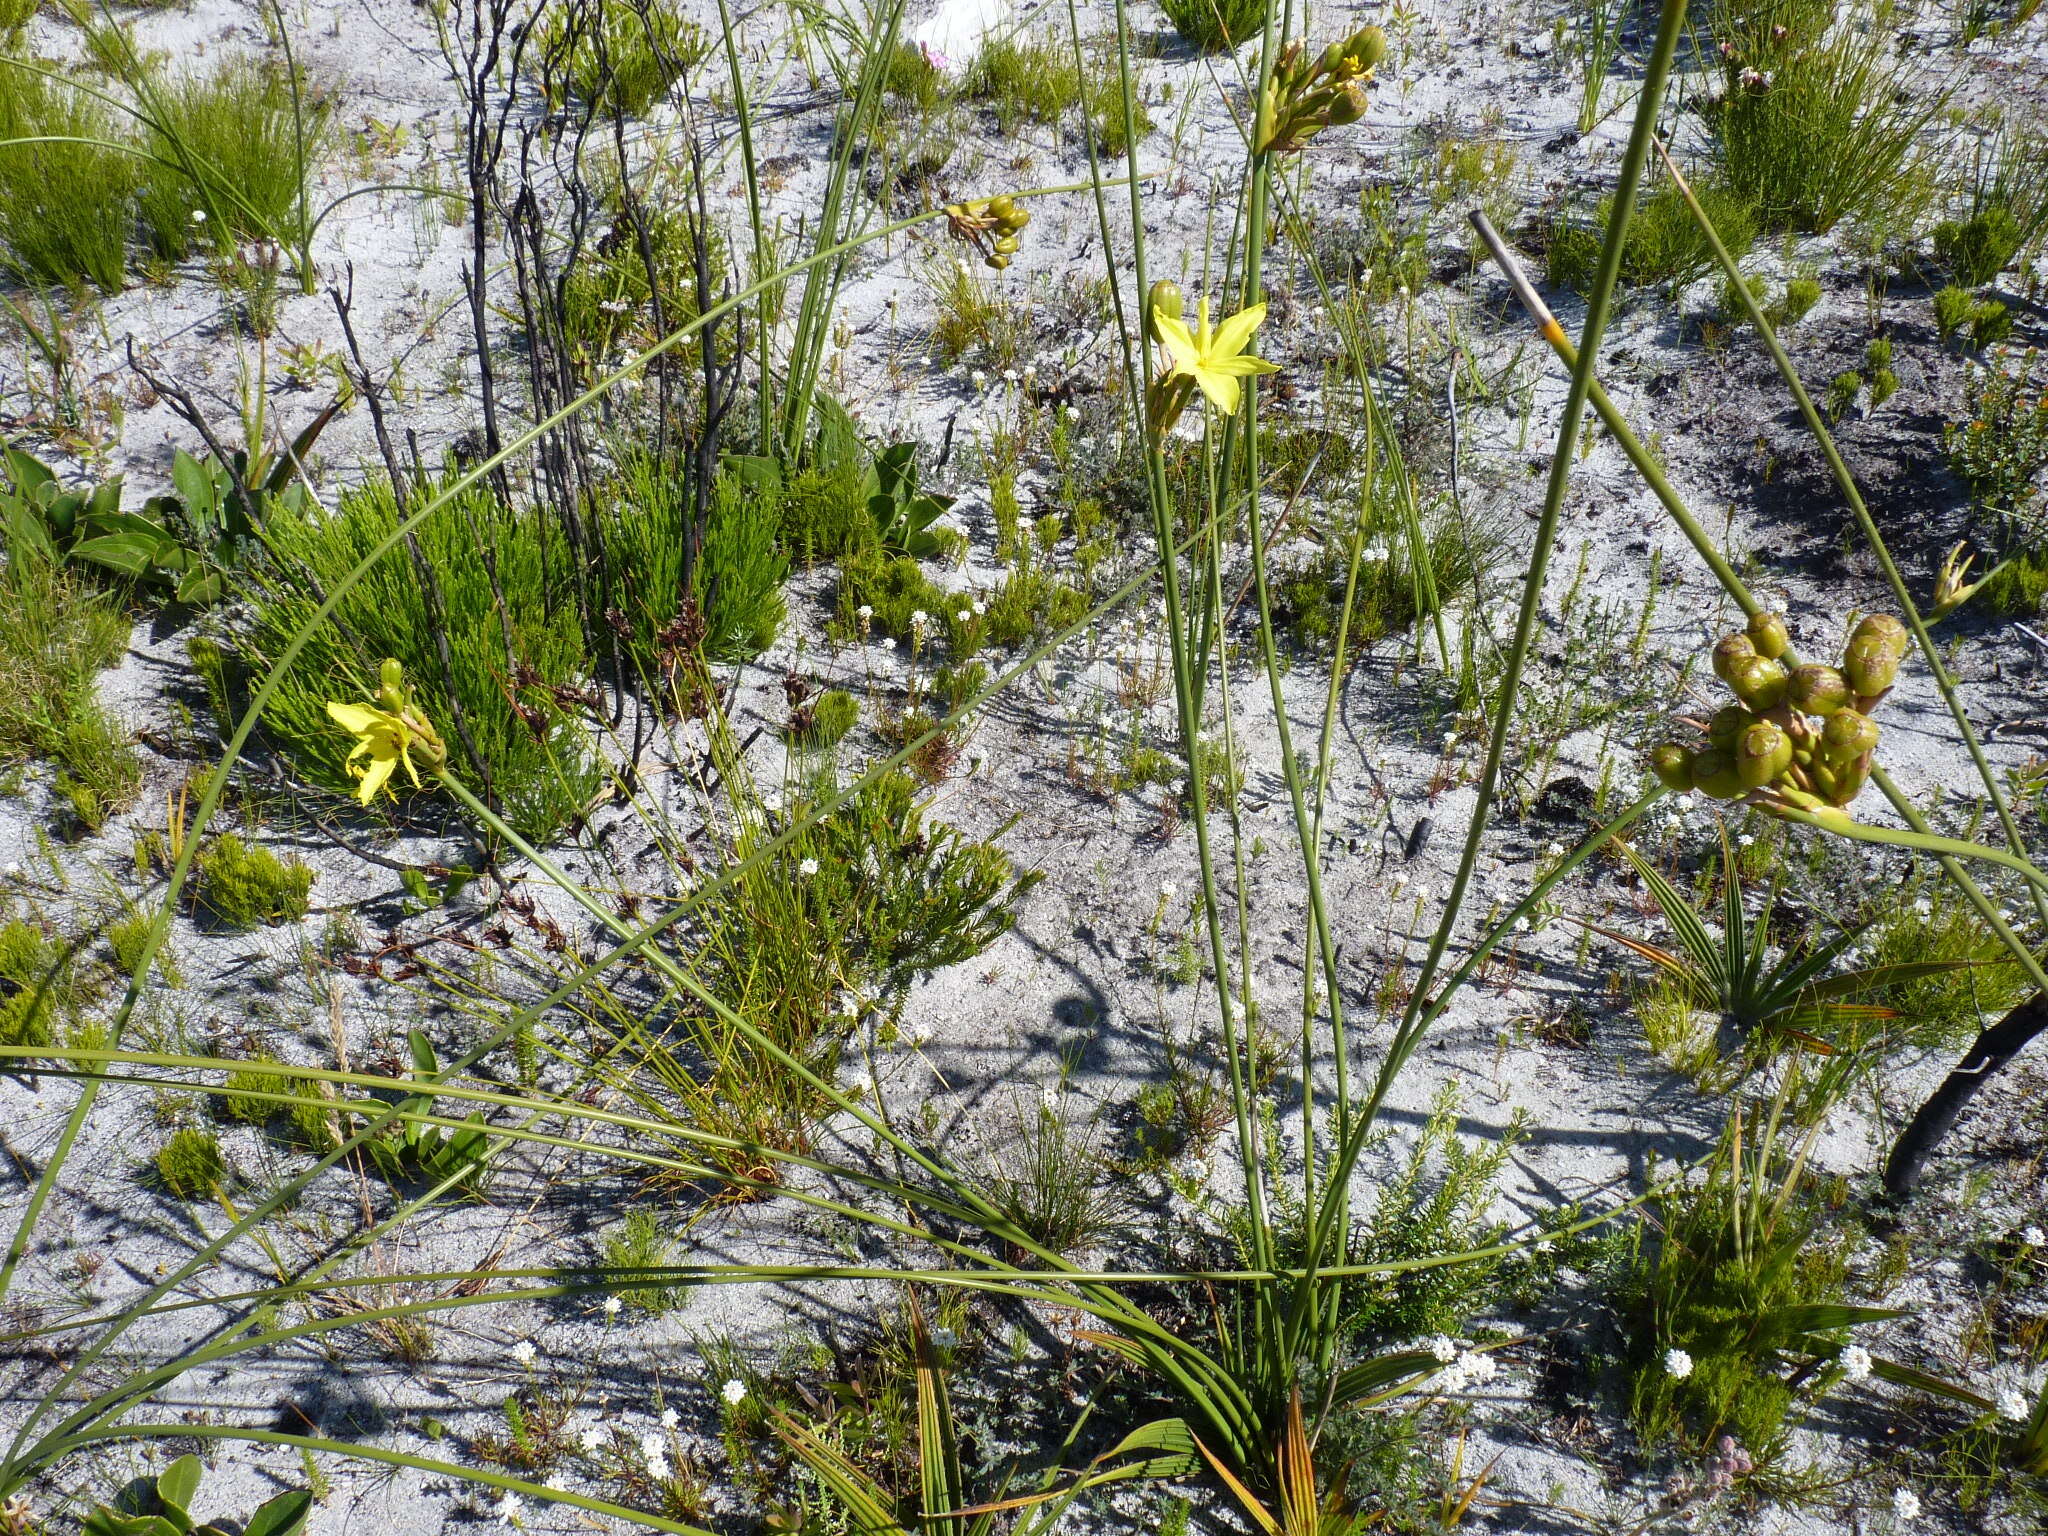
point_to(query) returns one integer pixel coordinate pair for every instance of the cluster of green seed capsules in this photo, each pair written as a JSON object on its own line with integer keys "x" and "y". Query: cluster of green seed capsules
{"x": 1800, "y": 737}
{"x": 991, "y": 226}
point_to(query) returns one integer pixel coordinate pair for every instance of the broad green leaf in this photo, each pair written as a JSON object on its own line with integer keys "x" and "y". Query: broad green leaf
{"x": 1386, "y": 1376}
{"x": 284, "y": 1515}
{"x": 176, "y": 1485}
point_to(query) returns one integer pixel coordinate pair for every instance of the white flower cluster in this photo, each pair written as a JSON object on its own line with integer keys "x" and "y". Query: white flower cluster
{"x": 1465, "y": 1370}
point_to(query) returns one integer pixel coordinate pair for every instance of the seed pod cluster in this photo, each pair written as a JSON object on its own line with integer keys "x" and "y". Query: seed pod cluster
{"x": 1801, "y": 736}
{"x": 992, "y": 226}
{"x": 1306, "y": 93}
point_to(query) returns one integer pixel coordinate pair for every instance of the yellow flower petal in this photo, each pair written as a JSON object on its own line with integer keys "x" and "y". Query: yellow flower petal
{"x": 1179, "y": 341}
{"x": 356, "y": 719}
{"x": 1221, "y": 389}
{"x": 374, "y": 778}
{"x": 1234, "y": 334}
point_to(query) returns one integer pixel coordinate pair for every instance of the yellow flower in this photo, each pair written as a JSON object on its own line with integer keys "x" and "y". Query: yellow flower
{"x": 388, "y": 732}
{"x": 1216, "y": 360}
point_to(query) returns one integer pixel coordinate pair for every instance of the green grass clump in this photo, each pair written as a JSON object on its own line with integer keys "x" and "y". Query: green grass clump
{"x": 475, "y": 550}
{"x": 1665, "y": 243}
{"x": 65, "y": 207}
{"x": 1933, "y": 925}
{"x": 243, "y": 886}
{"x": 1812, "y": 131}
{"x": 126, "y": 937}
{"x": 1039, "y": 81}
{"x": 190, "y": 1165}
{"x": 1308, "y": 600}
{"x": 821, "y": 513}
{"x": 2016, "y": 588}
{"x": 38, "y": 986}
{"x": 1980, "y": 247}
{"x": 617, "y": 56}
{"x": 824, "y": 721}
{"x": 911, "y": 80}
{"x": 233, "y": 149}
{"x": 240, "y": 1103}
{"x": 1216, "y": 24}
{"x": 56, "y": 634}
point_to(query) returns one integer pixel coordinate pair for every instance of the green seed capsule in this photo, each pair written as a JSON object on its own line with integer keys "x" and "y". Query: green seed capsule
{"x": 1818, "y": 690}
{"x": 1016, "y": 219}
{"x": 1850, "y": 780}
{"x": 998, "y": 261}
{"x": 1729, "y": 722}
{"x": 1731, "y": 652}
{"x": 1003, "y": 206}
{"x": 1768, "y": 634}
{"x": 1713, "y": 773}
{"x": 1673, "y": 766}
{"x": 1883, "y": 626}
{"x": 1763, "y": 753}
{"x": 1847, "y": 736}
{"x": 1007, "y": 245}
{"x": 1760, "y": 683}
{"x": 1367, "y": 47}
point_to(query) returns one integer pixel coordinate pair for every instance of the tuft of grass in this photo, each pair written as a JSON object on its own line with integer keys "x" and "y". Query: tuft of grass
{"x": 125, "y": 939}
{"x": 611, "y": 307}
{"x": 243, "y": 1083}
{"x": 1309, "y": 598}
{"x": 1214, "y": 25}
{"x": 56, "y": 633}
{"x": 65, "y": 207}
{"x": 1051, "y": 1178}
{"x": 1812, "y": 128}
{"x": 39, "y": 987}
{"x": 233, "y": 149}
{"x": 642, "y": 1242}
{"x": 189, "y": 1165}
{"x": 243, "y": 886}
{"x": 1980, "y": 247}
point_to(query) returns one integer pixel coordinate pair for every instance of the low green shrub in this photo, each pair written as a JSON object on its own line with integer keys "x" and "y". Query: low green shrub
{"x": 736, "y": 586}
{"x": 2016, "y": 588}
{"x": 619, "y": 56}
{"x": 125, "y": 939}
{"x": 56, "y": 634}
{"x": 243, "y": 886}
{"x": 1977, "y": 249}
{"x": 1212, "y": 25}
{"x": 642, "y": 1242}
{"x": 536, "y": 764}
{"x": 823, "y": 722}
{"x": 1308, "y": 598}
{"x": 40, "y": 990}
{"x": 1031, "y": 80}
{"x": 2000, "y": 447}
{"x": 243, "y": 1084}
{"x": 610, "y": 305}
{"x": 1665, "y": 243}
{"x": 189, "y": 1165}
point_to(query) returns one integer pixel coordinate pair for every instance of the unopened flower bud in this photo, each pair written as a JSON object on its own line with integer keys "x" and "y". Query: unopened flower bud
{"x": 1848, "y": 734}
{"x": 1164, "y": 299}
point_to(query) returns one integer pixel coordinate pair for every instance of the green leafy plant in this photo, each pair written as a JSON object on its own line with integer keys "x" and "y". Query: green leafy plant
{"x": 1759, "y": 991}
{"x": 242, "y": 885}
{"x": 41, "y": 990}
{"x": 1978, "y": 248}
{"x": 2000, "y": 446}
{"x": 67, "y": 187}
{"x": 1664, "y": 242}
{"x": 903, "y": 514}
{"x": 417, "y": 1151}
{"x": 642, "y": 1243}
{"x": 623, "y": 57}
{"x": 161, "y": 1506}
{"x": 1738, "y": 1304}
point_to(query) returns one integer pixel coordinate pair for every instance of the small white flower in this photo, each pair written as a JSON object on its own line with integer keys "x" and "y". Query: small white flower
{"x": 510, "y": 1508}
{"x": 1924, "y": 907}
{"x": 807, "y": 868}
{"x": 864, "y": 612}
{"x": 1677, "y": 1364}
{"x": 1684, "y": 804}
{"x": 888, "y": 643}
{"x": 734, "y": 1392}
{"x": 919, "y": 618}
{"x": 978, "y": 379}
{"x": 1445, "y": 1349}
{"x": 1745, "y": 841}
{"x": 1905, "y": 1505}
{"x": 657, "y": 1467}
{"x": 1050, "y": 1098}
{"x": 593, "y": 1440}
{"x": 1168, "y": 889}
{"x": 1009, "y": 375}
{"x": 2013, "y": 1405}
{"x": 1555, "y": 850}
{"x": 612, "y": 1305}
{"x": 652, "y": 1446}
{"x": 1521, "y": 925}
{"x": 965, "y": 615}
{"x": 1855, "y": 1362}
{"x": 523, "y": 1352}
{"x": 670, "y": 1418}
{"x": 2034, "y": 1237}
{"x": 945, "y": 1338}
{"x": 1073, "y": 413}
{"x": 198, "y": 215}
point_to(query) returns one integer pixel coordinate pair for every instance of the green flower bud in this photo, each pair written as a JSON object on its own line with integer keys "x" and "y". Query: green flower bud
{"x": 1713, "y": 773}
{"x": 1164, "y": 299}
{"x": 1729, "y": 722}
{"x": 1763, "y": 753}
{"x": 1007, "y": 245}
{"x": 1673, "y": 766}
{"x": 1760, "y": 683}
{"x": 1003, "y": 206}
{"x": 1818, "y": 690}
{"x": 1847, "y": 736}
{"x": 1768, "y": 634}
{"x": 1349, "y": 105}
{"x": 1730, "y": 653}
{"x": 1367, "y": 47}
{"x": 1850, "y": 779}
